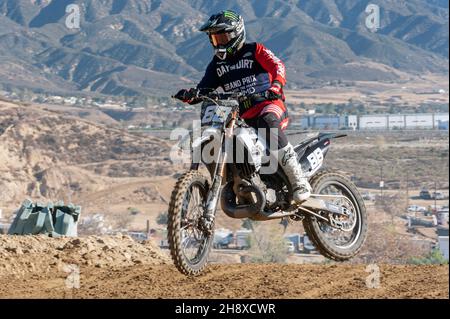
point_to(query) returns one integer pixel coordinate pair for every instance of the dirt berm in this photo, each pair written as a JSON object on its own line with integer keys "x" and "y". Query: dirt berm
{"x": 118, "y": 267}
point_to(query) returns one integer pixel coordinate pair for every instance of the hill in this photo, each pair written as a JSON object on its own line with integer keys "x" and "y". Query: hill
{"x": 141, "y": 47}
{"x": 47, "y": 155}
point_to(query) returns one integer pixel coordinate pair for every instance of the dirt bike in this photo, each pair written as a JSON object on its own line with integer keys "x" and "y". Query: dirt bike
{"x": 334, "y": 217}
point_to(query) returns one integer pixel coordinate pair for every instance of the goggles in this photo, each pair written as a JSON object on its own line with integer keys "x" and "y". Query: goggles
{"x": 218, "y": 39}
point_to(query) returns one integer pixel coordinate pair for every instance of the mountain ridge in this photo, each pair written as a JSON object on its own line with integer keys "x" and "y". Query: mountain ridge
{"x": 151, "y": 47}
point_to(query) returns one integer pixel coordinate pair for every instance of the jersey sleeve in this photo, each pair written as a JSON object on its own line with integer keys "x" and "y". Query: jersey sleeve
{"x": 271, "y": 63}
{"x": 210, "y": 80}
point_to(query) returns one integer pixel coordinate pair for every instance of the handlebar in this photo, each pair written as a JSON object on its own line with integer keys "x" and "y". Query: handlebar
{"x": 227, "y": 96}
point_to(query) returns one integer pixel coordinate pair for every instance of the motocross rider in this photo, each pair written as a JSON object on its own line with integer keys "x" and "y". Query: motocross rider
{"x": 251, "y": 68}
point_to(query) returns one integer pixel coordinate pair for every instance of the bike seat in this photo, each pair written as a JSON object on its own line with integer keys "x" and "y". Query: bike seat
{"x": 298, "y": 138}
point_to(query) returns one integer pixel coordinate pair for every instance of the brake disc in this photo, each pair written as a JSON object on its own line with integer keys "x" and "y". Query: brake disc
{"x": 346, "y": 221}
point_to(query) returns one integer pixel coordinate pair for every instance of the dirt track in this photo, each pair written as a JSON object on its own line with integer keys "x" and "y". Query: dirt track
{"x": 239, "y": 281}
{"x": 118, "y": 267}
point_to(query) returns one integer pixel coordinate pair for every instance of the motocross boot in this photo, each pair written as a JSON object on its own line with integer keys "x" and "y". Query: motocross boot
{"x": 287, "y": 158}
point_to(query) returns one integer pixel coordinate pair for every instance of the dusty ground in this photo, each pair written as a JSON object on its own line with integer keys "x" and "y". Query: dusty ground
{"x": 411, "y": 90}
{"x": 116, "y": 267}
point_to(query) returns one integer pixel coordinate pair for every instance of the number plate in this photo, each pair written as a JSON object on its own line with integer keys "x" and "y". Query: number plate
{"x": 214, "y": 114}
{"x": 316, "y": 159}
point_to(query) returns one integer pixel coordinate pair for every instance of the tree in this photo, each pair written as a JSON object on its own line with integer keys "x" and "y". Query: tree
{"x": 247, "y": 224}
{"x": 123, "y": 221}
{"x": 163, "y": 218}
{"x": 392, "y": 205}
{"x": 285, "y": 223}
{"x": 267, "y": 245}
{"x": 435, "y": 257}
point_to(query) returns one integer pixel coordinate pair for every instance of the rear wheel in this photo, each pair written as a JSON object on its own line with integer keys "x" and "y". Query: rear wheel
{"x": 189, "y": 245}
{"x": 346, "y": 241}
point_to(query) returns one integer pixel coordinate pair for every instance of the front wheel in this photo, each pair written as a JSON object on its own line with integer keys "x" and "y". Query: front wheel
{"x": 189, "y": 245}
{"x": 342, "y": 243}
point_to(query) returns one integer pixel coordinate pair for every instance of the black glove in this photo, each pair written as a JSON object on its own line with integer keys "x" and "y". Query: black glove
{"x": 275, "y": 92}
{"x": 187, "y": 96}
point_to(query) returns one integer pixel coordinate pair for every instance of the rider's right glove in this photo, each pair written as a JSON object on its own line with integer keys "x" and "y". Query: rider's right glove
{"x": 187, "y": 96}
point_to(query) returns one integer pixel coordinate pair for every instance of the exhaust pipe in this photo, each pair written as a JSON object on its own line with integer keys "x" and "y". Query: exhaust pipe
{"x": 233, "y": 210}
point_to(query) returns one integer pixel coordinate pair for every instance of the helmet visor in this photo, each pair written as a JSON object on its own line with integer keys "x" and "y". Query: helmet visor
{"x": 218, "y": 39}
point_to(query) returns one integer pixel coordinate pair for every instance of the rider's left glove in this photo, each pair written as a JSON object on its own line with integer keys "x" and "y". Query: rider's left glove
{"x": 275, "y": 92}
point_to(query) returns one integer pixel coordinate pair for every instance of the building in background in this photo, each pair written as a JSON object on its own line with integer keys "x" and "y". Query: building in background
{"x": 440, "y": 118}
{"x": 443, "y": 241}
{"x": 419, "y": 121}
{"x": 437, "y": 121}
{"x": 373, "y": 122}
{"x": 351, "y": 122}
{"x": 443, "y": 125}
{"x": 396, "y": 122}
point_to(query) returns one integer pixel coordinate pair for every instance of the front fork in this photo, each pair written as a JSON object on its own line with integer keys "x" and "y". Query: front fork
{"x": 207, "y": 222}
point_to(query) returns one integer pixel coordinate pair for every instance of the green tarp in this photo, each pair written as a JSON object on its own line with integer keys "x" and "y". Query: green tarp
{"x": 51, "y": 219}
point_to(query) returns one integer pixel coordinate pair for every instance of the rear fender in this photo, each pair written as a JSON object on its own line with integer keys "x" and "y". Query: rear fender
{"x": 312, "y": 152}
{"x": 313, "y": 156}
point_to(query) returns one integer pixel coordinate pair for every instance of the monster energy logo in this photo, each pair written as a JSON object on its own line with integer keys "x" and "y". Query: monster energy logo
{"x": 246, "y": 104}
{"x": 230, "y": 15}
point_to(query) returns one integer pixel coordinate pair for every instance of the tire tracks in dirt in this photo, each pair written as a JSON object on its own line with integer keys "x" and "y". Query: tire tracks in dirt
{"x": 240, "y": 281}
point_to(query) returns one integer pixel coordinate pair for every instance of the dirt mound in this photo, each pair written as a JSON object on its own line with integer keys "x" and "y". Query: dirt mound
{"x": 25, "y": 255}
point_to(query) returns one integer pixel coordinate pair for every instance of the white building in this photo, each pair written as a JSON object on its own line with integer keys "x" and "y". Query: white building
{"x": 396, "y": 122}
{"x": 419, "y": 121}
{"x": 71, "y": 100}
{"x": 377, "y": 122}
{"x": 352, "y": 121}
{"x": 443, "y": 241}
